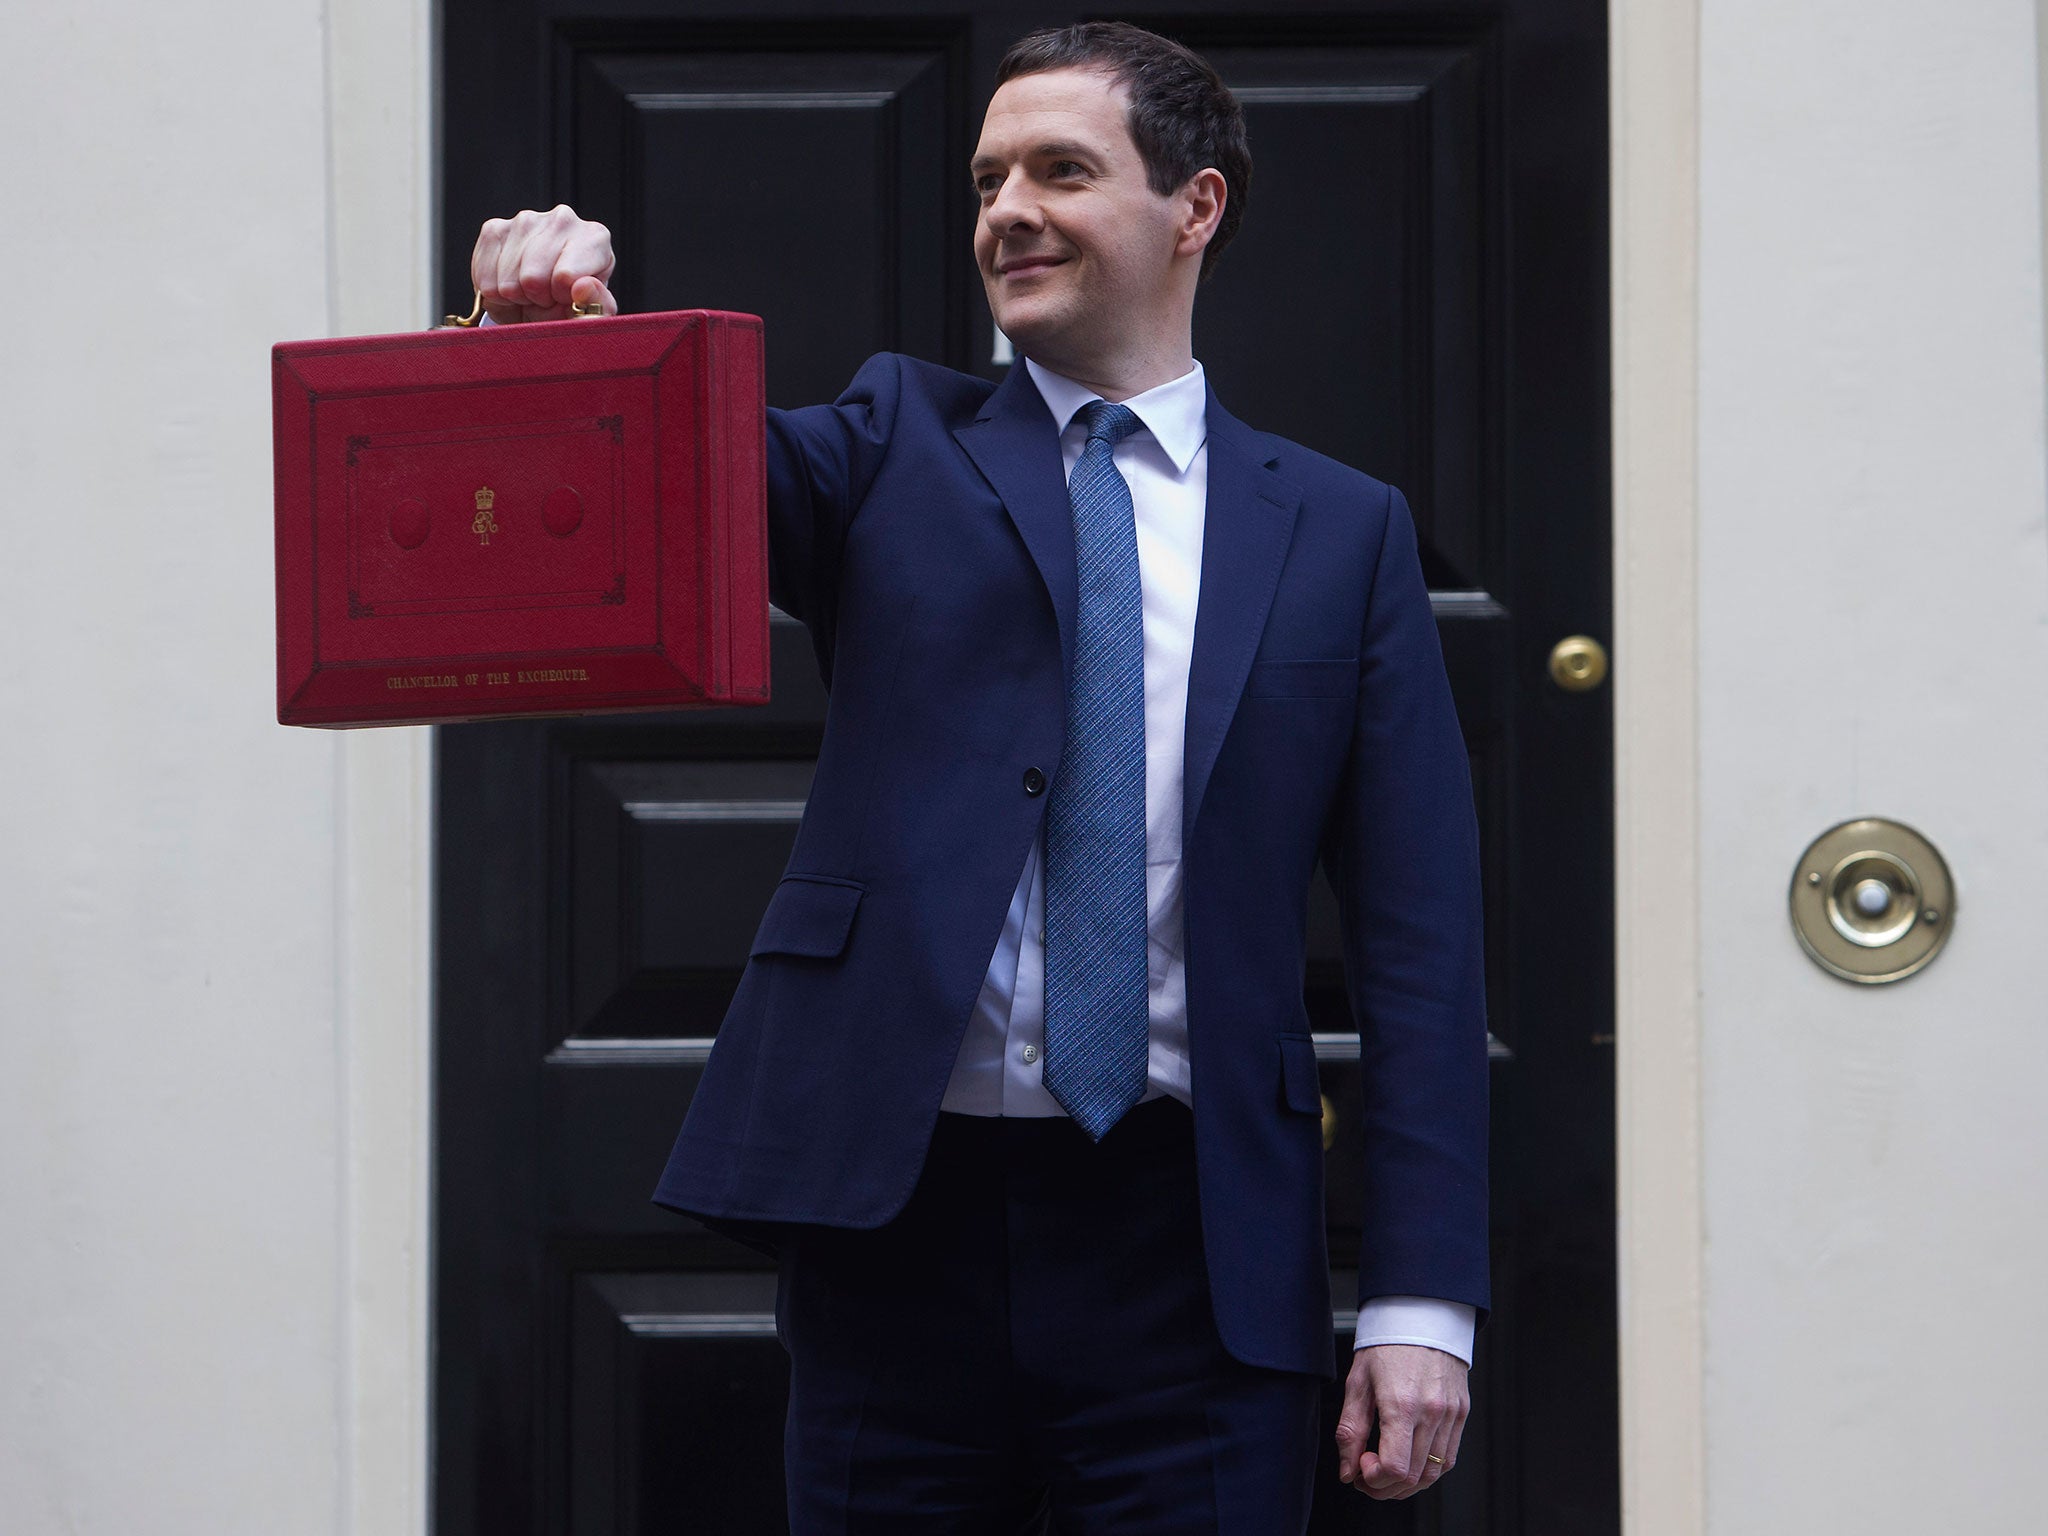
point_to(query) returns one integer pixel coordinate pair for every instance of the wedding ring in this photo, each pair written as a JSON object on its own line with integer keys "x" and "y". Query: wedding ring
{"x": 1436, "y": 1458}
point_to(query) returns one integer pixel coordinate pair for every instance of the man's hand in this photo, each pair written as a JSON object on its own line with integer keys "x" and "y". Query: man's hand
{"x": 1418, "y": 1398}
{"x": 537, "y": 266}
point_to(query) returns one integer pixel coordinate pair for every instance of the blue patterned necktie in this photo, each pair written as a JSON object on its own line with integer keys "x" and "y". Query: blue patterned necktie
{"x": 1097, "y": 1019}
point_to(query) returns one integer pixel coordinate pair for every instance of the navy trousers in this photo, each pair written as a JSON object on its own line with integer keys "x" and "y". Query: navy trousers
{"x": 1029, "y": 1345}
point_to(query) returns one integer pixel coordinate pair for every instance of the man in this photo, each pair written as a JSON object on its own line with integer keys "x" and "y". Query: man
{"x": 1018, "y": 1085}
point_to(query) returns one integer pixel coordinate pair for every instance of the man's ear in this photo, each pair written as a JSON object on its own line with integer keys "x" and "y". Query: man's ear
{"x": 1202, "y": 202}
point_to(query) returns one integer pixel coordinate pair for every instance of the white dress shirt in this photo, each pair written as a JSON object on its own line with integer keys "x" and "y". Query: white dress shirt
{"x": 998, "y": 1072}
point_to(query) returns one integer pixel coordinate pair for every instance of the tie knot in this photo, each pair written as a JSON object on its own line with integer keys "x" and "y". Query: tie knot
{"x": 1108, "y": 423}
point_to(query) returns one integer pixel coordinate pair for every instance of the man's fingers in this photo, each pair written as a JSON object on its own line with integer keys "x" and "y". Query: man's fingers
{"x": 528, "y": 270}
{"x": 588, "y": 291}
{"x": 1355, "y": 1418}
{"x": 1442, "y": 1452}
{"x": 1386, "y": 1472}
{"x": 1461, "y": 1410}
{"x": 531, "y": 266}
{"x": 483, "y": 261}
{"x": 588, "y": 253}
{"x": 501, "y": 284}
{"x": 1354, "y": 1424}
{"x": 483, "y": 271}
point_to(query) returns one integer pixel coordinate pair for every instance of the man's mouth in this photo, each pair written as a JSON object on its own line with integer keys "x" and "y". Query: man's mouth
{"x": 1026, "y": 266}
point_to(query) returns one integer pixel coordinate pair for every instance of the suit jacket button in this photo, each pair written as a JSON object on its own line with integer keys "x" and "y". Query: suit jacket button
{"x": 1034, "y": 782}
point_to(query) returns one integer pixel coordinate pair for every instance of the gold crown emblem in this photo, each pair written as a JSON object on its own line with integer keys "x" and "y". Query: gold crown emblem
{"x": 486, "y": 498}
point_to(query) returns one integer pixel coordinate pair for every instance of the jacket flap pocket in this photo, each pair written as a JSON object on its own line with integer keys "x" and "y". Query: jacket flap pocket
{"x": 808, "y": 915}
{"x": 1318, "y": 679}
{"x": 1299, "y": 1084}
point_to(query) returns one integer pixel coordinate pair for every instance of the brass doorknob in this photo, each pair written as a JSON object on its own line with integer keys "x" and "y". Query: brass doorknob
{"x": 1872, "y": 900}
{"x": 1578, "y": 663}
{"x": 1329, "y": 1123}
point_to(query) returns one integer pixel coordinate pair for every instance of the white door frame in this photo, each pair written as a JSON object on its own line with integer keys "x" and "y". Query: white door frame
{"x": 1653, "y": 166}
{"x": 380, "y": 185}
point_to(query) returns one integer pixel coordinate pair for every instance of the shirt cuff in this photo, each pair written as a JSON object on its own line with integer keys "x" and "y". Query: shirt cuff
{"x": 1444, "y": 1325}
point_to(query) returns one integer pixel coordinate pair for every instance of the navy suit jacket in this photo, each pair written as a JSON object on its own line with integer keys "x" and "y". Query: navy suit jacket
{"x": 920, "y": 527}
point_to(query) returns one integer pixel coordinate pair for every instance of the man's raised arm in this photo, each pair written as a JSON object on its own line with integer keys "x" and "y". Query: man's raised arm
{"x": 821, "y": 458}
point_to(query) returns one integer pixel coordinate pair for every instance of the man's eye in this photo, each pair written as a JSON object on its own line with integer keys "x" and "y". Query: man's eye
{"x": 984, "y": 185}
{"x": 1066, "y": 167}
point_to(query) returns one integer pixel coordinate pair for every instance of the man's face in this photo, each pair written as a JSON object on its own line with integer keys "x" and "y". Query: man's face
{"x": 1076, "y": 251}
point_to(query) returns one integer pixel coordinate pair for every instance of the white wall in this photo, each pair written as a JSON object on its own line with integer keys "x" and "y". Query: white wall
{"x": 1873, "y": 639}
{"x": 211, "y": 959}
{"x": 212, "y": 968}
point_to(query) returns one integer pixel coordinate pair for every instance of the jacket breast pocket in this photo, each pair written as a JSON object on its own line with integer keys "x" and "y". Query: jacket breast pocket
{"x": 1312, "y": 679}
{"x": 1300, "y": 1088}
{"x": 808, "y": 915}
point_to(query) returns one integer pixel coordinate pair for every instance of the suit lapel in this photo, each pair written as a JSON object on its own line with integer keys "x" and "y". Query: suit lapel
{"x": 1248, "y": 525}
{"x": 1249, "y": 522}
{"x": 1013, "y": 444}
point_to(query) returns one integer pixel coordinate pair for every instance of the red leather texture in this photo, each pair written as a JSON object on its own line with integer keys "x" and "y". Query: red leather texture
{"x": 561, "y": 518}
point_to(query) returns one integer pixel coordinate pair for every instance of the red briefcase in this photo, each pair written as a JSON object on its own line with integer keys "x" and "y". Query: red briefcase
{"x": 564, "y": 517}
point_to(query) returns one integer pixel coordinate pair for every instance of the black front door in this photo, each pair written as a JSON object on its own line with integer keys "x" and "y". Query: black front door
{"x": 1419, "y": 290}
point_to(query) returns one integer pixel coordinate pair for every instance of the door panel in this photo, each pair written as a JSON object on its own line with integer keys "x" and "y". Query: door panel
{"x": 671, "y": 864}
{"x": 835, "y": 161}
{"x": 1360, "y": 247}
{"x": 1419, "y": 289}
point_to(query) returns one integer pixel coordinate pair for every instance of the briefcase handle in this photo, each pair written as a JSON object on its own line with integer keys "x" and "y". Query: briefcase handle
{"x": 476, "y": 312}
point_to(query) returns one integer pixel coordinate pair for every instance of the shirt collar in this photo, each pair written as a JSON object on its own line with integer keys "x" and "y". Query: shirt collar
{"x": 1175, "y": 413}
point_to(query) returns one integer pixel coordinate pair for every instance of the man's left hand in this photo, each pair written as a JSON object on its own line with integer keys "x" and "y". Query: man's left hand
{"x": 1418, "y": 1398}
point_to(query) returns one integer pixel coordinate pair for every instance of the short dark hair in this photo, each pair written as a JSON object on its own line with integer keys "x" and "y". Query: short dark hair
{"x": 1182, "y": 116}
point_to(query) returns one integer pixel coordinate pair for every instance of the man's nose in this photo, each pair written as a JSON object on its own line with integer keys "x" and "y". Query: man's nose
{"x": 1013, "y": 206}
